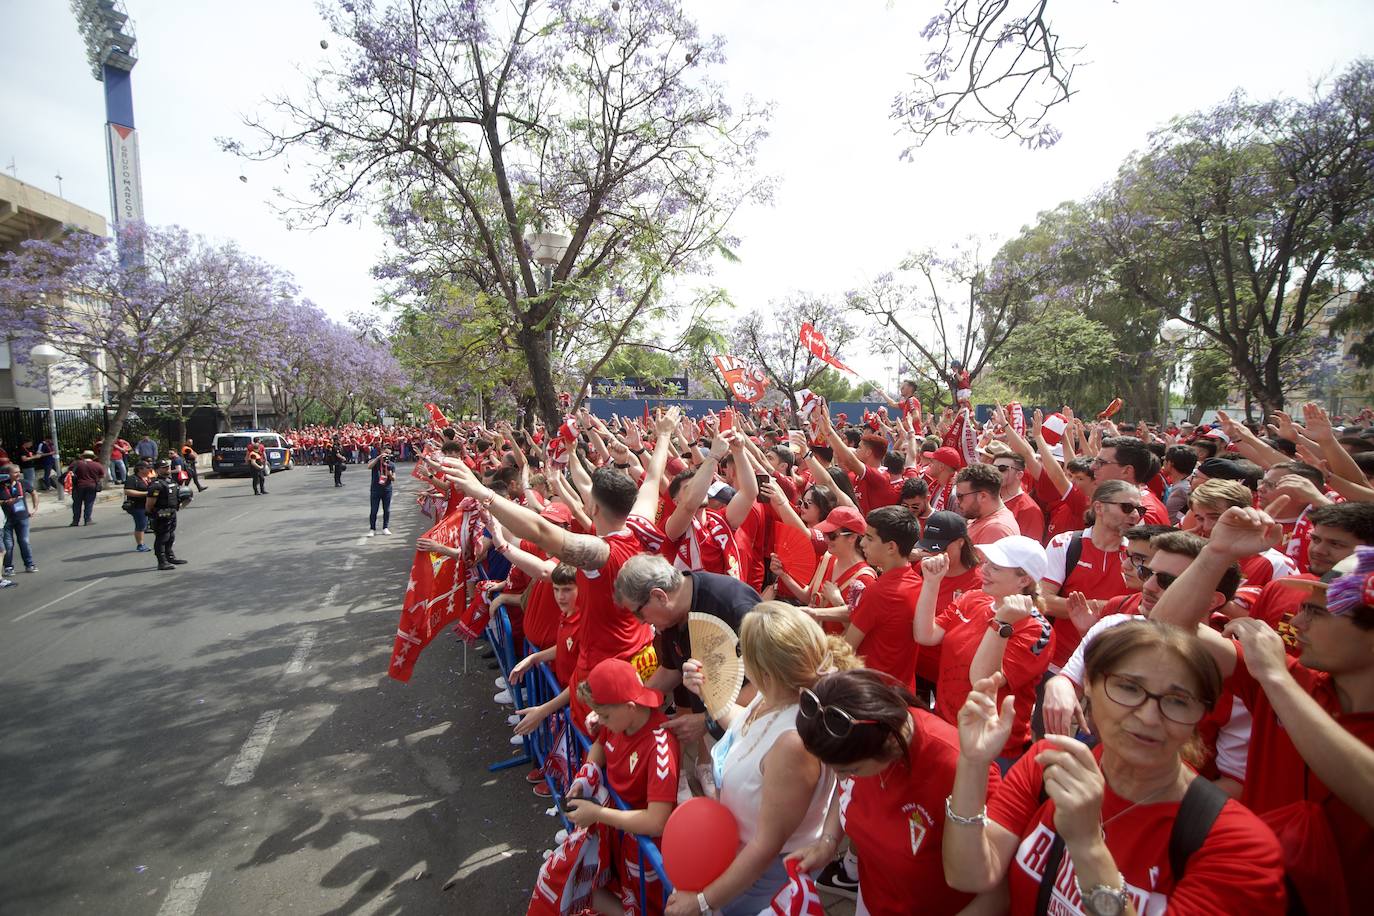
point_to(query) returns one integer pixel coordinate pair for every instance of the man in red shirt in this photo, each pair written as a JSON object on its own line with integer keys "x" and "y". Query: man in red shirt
{"x": 621, "y": 516}
{"x": 1336, "y": 531}
{"x": 864, "y": 465}
{"x": 1097, "y": 573}
{"x": 880, "y": 626}
{"x": 978, "y": 498}
{"x": 941, "y": 466}
{"x": 1293, "y": 702}
{"x": 1030, "y": 518}
{"x": 1127, "y": 458}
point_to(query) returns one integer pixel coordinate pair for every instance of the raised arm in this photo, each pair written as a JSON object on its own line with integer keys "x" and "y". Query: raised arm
{"x": 747, "y": 493}
{"x": 1056, "y": 474}
{"x": 647, "y": 500}
{"x": 693, "y": 494}
{"x": 1342, "y": 465}
{"x": 845, "y": 456}
{"x": 924, "y": 629}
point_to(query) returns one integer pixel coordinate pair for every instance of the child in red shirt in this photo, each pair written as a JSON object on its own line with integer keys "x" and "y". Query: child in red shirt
{"x": 639, "y": 756}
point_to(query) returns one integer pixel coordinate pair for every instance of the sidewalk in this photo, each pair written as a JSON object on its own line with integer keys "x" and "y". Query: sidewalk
{"x": 48, "y": 502}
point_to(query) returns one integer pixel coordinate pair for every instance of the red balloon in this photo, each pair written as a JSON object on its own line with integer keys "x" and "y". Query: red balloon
{"x": 700, "y": 841}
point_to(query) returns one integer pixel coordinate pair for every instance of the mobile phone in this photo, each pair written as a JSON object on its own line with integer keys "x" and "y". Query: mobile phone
{"x": 561, "y": 803}
{"x": 727, "y": 419}
{"x": 762, "y": 479}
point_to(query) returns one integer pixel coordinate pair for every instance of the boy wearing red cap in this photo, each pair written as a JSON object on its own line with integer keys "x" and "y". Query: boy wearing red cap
{"x": 639, "y": 757}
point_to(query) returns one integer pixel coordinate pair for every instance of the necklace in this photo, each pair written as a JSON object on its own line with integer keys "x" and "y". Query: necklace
{"x": 1144, "y": 801}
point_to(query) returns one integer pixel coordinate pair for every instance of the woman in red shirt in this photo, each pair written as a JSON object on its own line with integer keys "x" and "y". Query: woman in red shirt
{"x": 997, "y": 627}
{"x": 896, "y": 763}
{"x": 1097, "y": 824}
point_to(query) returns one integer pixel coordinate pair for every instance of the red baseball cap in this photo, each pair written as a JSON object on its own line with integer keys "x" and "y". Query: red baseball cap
{"x": 948, "y": 456}
{"x": 843, "y": 518}
{"x": 615, "y": 681}
{"x": 558, "y": 513}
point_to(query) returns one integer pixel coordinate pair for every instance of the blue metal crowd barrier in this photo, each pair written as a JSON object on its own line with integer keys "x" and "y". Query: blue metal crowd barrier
{"x": 539, "y": 686}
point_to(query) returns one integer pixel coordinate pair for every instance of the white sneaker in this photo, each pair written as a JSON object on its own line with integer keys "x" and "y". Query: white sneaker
{"x": 7, "y": 583}
{"x": 386, "y": 531}
{"x": 517, "y": 740}
{"x": 501, "y": 684}
{"x": 513, "y": 720}
{"x": 372, "y": 533}
{"x": 504, "y": 698}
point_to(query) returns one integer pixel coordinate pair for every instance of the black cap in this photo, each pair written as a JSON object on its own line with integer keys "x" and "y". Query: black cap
{"x": 941, "y": 529}
{"x": 163, "y": 463}
{"x": 1221, "y": 469}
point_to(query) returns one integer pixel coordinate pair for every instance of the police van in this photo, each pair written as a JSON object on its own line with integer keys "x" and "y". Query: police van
{"x": 229, "y": 452}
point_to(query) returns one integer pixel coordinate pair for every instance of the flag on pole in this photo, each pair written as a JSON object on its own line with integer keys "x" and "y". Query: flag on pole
{"x": 815, "y": 344}
{"x": 744, "y": 382}
{"x": 1016, "y": 415}
{"x": 436, "y": 415}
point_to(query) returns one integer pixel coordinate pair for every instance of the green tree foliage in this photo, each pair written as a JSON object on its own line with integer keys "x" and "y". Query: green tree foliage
{"x": 1050, "y": 358}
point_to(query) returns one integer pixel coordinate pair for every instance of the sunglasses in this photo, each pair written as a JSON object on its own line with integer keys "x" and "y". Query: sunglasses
{"x": 1128, "y": 508}
{"x": 1145, "y": 573}
{"x": 834, "y": 719}
{"x": 835, "y": 534}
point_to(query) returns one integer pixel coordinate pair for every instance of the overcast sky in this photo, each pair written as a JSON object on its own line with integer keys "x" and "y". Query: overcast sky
{"x": 846, "y": 208}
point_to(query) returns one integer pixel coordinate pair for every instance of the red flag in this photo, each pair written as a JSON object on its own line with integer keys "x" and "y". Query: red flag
{"x": 647, "y": 421}
{"x": 1017, "y": 416}
{"x": 435, "y": 596}
{"x": 437, "y": 416}
{"x": 744, "y": 382}
{"x": 815, "y": 344}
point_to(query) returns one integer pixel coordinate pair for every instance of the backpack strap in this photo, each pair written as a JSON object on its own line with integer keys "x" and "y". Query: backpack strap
{"x": 1052, "y": 860}
{"x": 1072, "y": 555}
{"x": 1198, "y": 811}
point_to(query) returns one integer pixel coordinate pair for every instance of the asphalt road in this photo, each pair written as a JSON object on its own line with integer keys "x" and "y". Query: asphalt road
{"x": 223, "y": 739}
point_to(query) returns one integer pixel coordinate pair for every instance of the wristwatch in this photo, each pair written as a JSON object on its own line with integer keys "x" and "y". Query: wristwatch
{"x": 702, "y": 904}
{"x": 1000, "y": 627}
{"x": 1103, "y": 900}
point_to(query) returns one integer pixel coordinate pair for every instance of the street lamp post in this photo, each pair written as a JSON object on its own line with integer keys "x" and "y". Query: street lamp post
{"x": 1171, "y": 332}
{"x": 46, "y": 355}
{"x": 548, "y": 249}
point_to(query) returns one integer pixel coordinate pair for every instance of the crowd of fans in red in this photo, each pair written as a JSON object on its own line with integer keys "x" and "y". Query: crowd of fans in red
{"x": 1094, "y": 669}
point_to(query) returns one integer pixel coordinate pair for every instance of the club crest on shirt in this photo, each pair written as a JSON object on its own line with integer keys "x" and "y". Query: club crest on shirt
{"x": 634, "y": 760}
{"x": 918, "y": 825}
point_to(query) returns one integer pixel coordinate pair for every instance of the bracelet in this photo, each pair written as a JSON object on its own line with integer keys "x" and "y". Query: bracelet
{"x": 503, "y": 547}
{"x": 978, "y": 820}
{"x": 805, "y": 457}
{"x": 702, "y": 905}
{"x": 486, "y": 502}
{"x": 623, "y": 467}
{"x": 636, "y": 451}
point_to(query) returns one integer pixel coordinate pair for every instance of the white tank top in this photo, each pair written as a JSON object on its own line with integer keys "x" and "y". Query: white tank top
{"x": 741, "y": 775}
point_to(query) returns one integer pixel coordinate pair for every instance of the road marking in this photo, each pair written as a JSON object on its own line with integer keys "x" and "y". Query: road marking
{"x": 43, "y": 607}
{"x": 253, "y": 749}
{"x": 332, "y": 595}
{"x": 348, "y": 564}
{"x": 297, "y": 663}
{"x": 184, "y": 896}
{"x": 239, "y": 516}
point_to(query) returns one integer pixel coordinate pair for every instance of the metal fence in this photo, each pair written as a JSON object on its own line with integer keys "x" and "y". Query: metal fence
{"x": 79, "y": 429}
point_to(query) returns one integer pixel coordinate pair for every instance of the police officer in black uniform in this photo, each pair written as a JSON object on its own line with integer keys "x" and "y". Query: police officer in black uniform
{"x": 162, "y": 512}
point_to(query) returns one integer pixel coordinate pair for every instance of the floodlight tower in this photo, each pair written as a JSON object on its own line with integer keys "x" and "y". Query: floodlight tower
{"x": 110, "y": 49}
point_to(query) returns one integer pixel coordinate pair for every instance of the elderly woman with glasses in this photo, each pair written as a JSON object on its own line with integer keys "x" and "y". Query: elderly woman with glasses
{"x": 896, "y": 763}
{"x": 777, "y": 790}
{"x": 1127, "y": 827}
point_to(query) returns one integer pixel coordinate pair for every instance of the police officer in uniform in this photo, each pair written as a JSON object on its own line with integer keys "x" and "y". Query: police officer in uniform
{"x": 162, "y": 511}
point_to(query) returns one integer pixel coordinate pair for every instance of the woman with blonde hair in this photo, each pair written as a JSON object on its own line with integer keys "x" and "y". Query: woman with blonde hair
{"x": 777, "y": 791}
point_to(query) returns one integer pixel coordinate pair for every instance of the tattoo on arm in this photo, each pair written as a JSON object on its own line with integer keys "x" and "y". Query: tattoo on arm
{"x": 584, "y": 551}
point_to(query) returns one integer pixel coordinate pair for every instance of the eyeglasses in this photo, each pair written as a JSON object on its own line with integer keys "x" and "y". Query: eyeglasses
{"x": 1176, "y": 707}
{"x": 639, "y": 611}
{"x": 835, "y": 720}
{"x": 804, "y": 502}
{"x": 958, "y": 495}
{"x": 1128, "y": 508}
{"x": 1099, "y": 462}
{"x": 1006, "y": 467}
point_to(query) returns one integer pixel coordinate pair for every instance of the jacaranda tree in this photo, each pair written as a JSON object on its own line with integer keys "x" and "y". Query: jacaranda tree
{"x": 466, "y": 127}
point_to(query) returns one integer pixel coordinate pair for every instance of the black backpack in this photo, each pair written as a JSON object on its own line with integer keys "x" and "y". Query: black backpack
{"x": 1198, "y": 811}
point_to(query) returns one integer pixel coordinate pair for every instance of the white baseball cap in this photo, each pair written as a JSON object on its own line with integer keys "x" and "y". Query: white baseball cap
{"x": 1018, "y": 552}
